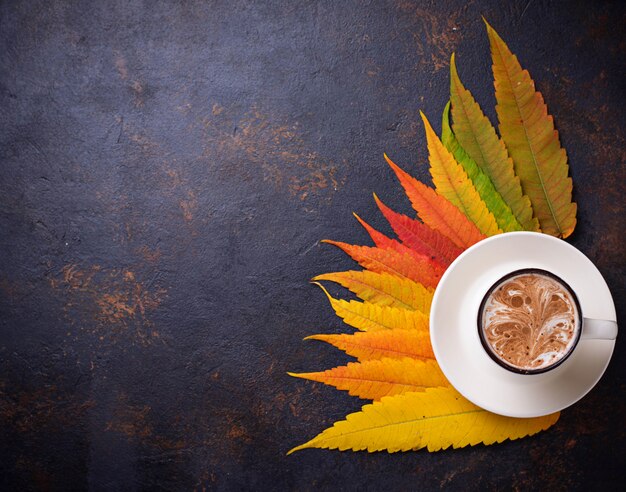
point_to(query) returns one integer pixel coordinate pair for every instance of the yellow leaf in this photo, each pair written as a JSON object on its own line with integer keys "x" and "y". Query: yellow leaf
{"x": 528, "y": 132}
{"x": 478, "y": 138}
{"x": 366, "y": 316}
{"x": 375, "y": 379}
{"x": 452, "y": 182}
{"x": 374, "y": 345}
{"x": 383, "y": 289}
{"x": 435, "y": 419}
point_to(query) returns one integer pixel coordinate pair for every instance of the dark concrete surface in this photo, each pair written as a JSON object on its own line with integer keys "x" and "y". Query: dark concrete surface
{"x": 167, "y": 171}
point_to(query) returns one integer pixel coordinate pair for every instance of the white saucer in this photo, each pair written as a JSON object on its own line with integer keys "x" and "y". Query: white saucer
{"x": 454, "y": 331}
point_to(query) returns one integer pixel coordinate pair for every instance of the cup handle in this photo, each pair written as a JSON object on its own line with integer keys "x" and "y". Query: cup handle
{"x": 599, "y": 329}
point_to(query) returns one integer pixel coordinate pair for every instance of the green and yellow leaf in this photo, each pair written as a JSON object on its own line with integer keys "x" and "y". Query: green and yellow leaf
{"x": 493, "y": 200}
{"x": 374, "y": 345}
{"x": 437, "y": 212}
{"x": 436, "y": 419}
{"x": 411, "y": 266}
{"x": 419, "y": 237}
{"x": 383, "y": 289}
{"x": 452, "y": 182}
{"x": 528, "y": 132}
{"x": 366, "y": 316}
{"x": 477, "y": 136}
{"x": 374, "y": 379}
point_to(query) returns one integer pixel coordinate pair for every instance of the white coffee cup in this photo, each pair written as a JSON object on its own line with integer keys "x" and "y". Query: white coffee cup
{"x": 467, "y": 363}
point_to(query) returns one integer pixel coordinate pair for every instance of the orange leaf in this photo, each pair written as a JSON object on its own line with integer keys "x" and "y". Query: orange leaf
{"x": 412, "y": 266}
{"x": 384, "y": 289}
{"x": 373, "y": 345}
{"x": 438, "y": 212}
{"x": 528, "y": 132}
{"x": 375, "y": 379}
{"x": 419, "y": 237}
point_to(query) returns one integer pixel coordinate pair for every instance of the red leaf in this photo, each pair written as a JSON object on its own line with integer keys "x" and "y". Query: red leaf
{"x": 419, "y": 237}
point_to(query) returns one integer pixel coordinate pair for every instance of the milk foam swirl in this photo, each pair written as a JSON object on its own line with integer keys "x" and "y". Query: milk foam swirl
{"x": 530, "y": 321}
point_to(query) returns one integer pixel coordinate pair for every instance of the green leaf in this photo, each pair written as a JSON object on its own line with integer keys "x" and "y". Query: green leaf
{"x": 528, "y": 132}
{"x": 496, "y": 205}
{"x": 478, "y": 138}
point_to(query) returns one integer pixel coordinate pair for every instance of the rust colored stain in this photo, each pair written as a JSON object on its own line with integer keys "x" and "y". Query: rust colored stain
{"x": 119, "y": 302}
{"x": 144, "y": 142}
{"x": 138, "y": 90}
{"x": 435, "y": 36}
{"x": 189, "y": 206}
{"x": 276, "y": 148}
{"x": 120, "y": 65}
{"x": 40, "y": 409}
{"x": 116, "y": 306}
{"x": 129, "y": 419}
{"x": 135, "y": 85}
{"x": 150, "y": 255}
{"x": 172, "y": 179}
{"x": 42, "y": 478}
{"x": 12, "y": 290}
{"x": 237, "y": 431}
{"x": 316, "y": 179}
{"x": 136, "y": 421}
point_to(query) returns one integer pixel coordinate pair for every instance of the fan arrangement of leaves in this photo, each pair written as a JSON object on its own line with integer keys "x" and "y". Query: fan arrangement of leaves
{"x": 485, "y": 184}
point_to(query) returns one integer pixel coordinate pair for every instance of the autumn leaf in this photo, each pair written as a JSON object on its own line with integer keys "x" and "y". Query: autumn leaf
{"x": 366, "y": 316}
{"x": 436, "y": 419}
{"x": 383, "y": 289}
{"x": 374, "y": 345}
{"x": 452, "y": 182}
{"x": 493, "y": 200}
{"x": 437, "y": 212}
{"x": 528, "y": 132}
{"x": 420, "y": 237}
{"x": 477, "y": 136}
{"x": 375, "y": 379}
{"x": 384, "y": 242}
{"x": 405, "y": 265}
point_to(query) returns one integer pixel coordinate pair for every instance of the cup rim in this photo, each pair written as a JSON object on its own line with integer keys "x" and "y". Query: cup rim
{"x": 487, "y": 346}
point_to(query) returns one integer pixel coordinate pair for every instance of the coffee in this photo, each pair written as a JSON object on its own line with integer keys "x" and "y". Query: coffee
{"x": 529, "y": 321}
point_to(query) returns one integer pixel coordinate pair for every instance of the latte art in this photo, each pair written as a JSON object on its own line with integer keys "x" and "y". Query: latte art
{"x": 529, "y": 321}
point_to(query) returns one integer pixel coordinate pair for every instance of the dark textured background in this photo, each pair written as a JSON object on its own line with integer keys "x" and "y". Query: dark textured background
{"x": 167, "y": 171}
